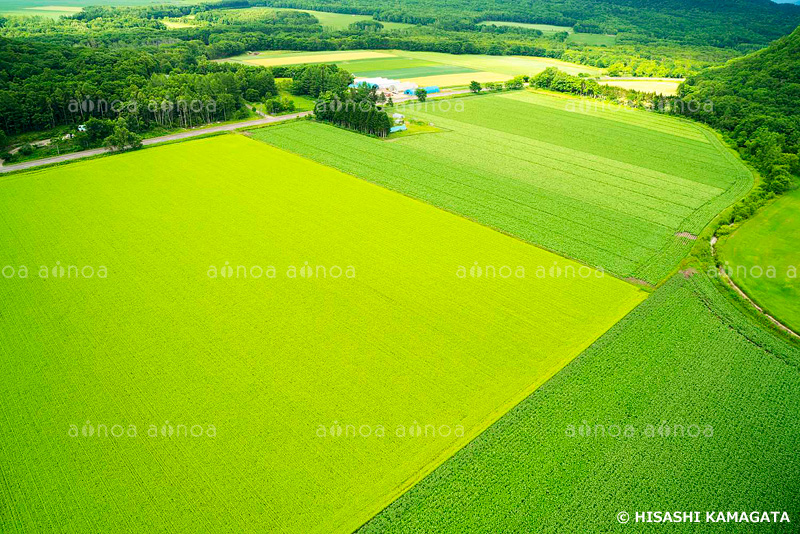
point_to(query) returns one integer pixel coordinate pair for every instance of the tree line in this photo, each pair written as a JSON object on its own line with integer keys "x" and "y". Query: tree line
{"x": 355, "y": 108}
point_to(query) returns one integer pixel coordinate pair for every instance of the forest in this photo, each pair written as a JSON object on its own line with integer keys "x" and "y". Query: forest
{"x": 755, "y": 104}
{"x": 62, "y": 71}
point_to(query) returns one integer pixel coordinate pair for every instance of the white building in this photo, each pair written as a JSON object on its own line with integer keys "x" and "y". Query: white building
{"x": 385, "y": 85}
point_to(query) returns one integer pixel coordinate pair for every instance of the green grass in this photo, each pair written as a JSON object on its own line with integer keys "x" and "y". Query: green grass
{"x": 764, "y": 258}
{"x": 610, "y": 188}
{"x": 415, "y": 128}
{"x": 331, "y": 21}
{"x": 544, "y": 28}
{"x": 301, "y": 103}
{"x": 340, "y": 21}
{"x": 592, "y": 39}
{"x": 400, "y": 68}
{"x": 684, "y": 357}
{"x": 22, "y": 7}
{"x": 265, "y": 361}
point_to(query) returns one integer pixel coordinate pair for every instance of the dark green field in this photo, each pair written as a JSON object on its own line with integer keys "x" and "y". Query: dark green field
{"x": 684, "y": 357}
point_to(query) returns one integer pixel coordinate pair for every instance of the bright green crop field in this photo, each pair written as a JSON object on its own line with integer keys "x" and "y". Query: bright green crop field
{"x": 400, "y": 68}
{"x": 623, "y": 190}
{"x": 763, "y": 258}
{"x": 250, "y": 322}
{"x": 689, "y": 407}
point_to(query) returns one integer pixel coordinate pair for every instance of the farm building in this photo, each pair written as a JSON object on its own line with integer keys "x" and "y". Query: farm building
{"x": 429, "y": 90}
{"x": 385, "y": 84}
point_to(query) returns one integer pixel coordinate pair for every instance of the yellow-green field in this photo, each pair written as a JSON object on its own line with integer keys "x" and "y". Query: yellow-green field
{"x": 423, "y": 68}
{"x": 390, "y": 321}
{"x": 544, "y": 28}
{"x": 268, "y": 59}
{"x": 661, "y": 86}
{"x": 40, "y": 11}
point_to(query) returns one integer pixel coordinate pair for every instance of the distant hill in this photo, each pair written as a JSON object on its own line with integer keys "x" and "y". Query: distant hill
{"x": 721, "y": 23}
{"x": 755, "y": 99}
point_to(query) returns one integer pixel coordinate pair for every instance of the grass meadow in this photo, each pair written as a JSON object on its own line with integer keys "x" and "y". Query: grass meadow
{"x": 763, "y": 258}
{"x": 609, "y": 187}
{"x": 190, "y": 331}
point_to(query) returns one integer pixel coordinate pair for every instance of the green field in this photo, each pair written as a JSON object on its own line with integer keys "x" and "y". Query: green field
{"x": 592, "y": 39}
{"x": 331, "y": 21}
{"x": 269, "y": 361}
{"x": 400, "y": 68}
{"x": 577, "y": 38}
{"x": 600, "y": 185}
{"x": 684, "y": 357}
{"x": 425, "y": 68}
{"x": 764, "y": 258}
{"x": 544, "y": 28}
{"x": 57, "y": 8}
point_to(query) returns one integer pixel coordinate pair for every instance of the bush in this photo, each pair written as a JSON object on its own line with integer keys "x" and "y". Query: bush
{"x": 278, "y": 105}
{"x": 26, "y": 149}
{"x": 251, "y": 95}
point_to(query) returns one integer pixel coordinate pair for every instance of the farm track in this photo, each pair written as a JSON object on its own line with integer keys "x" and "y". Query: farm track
{"x": 153, "y": 141}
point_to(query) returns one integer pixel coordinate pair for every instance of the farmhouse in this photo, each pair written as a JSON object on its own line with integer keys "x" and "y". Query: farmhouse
{"x": 385, "y": 85}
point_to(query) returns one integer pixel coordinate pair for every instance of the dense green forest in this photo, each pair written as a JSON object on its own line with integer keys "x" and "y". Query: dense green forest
{"x": 723, "y": 23}
{"x": 125, "y": 62}
{"x": 755, "y": 102}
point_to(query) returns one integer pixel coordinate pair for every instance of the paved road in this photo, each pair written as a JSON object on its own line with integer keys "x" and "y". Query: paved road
{"x": 191, "y": 133}
{"x": 153, "y": 140}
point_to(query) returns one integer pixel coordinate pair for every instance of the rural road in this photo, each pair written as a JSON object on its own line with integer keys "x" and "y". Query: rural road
{"x": 190, "y": 133}
{"x": 153, "y": 140}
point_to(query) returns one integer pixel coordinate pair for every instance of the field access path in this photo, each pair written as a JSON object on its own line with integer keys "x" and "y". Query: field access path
{"x": 153, "y": 140}
{"x": 268, "y": 119}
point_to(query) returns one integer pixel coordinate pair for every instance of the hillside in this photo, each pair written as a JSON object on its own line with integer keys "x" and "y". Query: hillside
{"x": 723, "y": 23}
{"x": 764, "y": 85}
{"x": 754, "y": 100}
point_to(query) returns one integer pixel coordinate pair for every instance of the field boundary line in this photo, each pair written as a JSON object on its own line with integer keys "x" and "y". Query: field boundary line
{"x": 558, "y": 253}
{"x": 495, "y": 416}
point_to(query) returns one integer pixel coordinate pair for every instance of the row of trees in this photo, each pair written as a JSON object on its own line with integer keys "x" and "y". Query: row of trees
{"x": 43, "y": 86}
{"x": 356, "y": 109}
